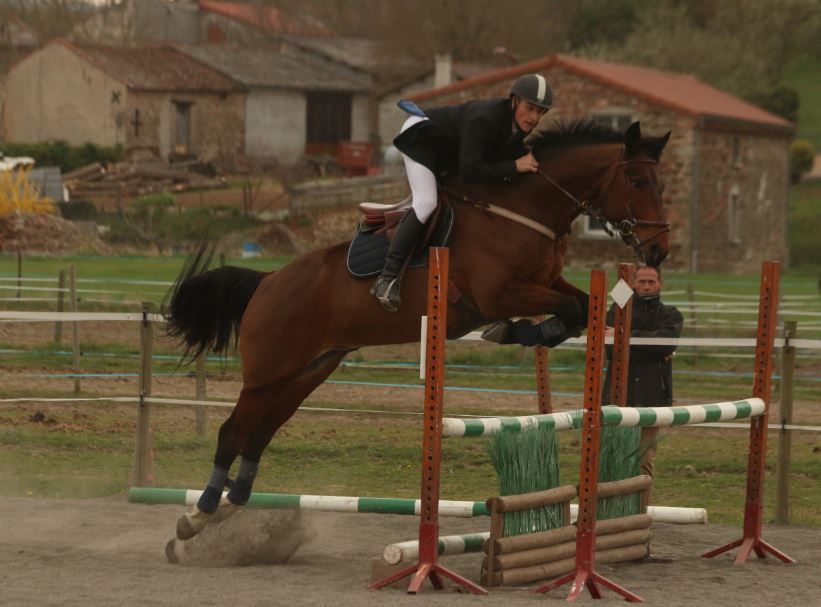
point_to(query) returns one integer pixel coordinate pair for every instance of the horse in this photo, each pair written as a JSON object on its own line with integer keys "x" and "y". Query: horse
{"x": 294, "y": 326}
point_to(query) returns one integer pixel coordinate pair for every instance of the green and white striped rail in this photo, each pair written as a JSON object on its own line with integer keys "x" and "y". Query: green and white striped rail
{"x": 377, "y": 505}
{"x": 326, "y": 503}
{"x": 394, "y": 554}
{"x": 611, "y": 416}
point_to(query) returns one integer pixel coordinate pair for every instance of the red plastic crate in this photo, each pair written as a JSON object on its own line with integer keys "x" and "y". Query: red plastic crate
{"x": 354, "y": 157}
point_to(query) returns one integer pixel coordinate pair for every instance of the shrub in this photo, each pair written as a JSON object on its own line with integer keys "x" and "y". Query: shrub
{"x": 77, "y": 209}
{"x": 782, "y": 100}
{"x": 63, "y": 155}
{"x": 802, "y": 156}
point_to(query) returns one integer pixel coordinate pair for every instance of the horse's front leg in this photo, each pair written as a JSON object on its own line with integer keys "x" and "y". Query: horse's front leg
{"x": 566, "y": 288}
{"x": 521, "y": 298}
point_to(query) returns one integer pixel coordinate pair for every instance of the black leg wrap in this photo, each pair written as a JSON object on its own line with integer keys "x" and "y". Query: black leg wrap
{"x": 240, "y": 492}
{"x": 241, "y": 489}
{"x": 209, "y": 500}
{"x": 550, "y": 329}
{"x": 556, "y": 333}
{"x": 527, "y": 333}
{"x": 550, "y": 332}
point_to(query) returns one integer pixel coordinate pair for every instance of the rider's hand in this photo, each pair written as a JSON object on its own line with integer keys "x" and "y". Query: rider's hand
{"x": 527, "y": 164}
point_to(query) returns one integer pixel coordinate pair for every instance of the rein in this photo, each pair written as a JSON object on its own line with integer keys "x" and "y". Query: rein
{"x": 625, "y": 228}
{"x": 502, "y": 212}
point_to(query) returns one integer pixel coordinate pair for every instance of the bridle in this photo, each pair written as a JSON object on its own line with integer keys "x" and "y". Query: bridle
{"x": 625, "y": 228}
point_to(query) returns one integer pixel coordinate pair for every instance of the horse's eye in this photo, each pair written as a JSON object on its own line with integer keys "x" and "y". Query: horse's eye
{"x": 638, "y": 183}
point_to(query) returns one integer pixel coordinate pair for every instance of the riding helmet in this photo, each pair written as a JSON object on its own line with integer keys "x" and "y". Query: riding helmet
{"x": 533, "y": 88}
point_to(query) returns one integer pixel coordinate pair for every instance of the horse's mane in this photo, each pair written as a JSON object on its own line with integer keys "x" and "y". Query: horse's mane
{"x": 566, "y": 133}
{"x": 585, "y": 131}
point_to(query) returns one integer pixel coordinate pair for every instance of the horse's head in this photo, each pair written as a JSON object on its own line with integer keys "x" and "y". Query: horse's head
{"x": 630, "y": 197}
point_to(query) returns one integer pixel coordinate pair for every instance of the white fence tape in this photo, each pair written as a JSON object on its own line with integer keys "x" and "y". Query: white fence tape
{"x": 153, "y": 400}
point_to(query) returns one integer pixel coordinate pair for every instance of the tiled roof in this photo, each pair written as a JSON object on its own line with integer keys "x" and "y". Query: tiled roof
{"x": 682, "y": 93}
{"x": 154, "y": 68}
{"x": 360, "y": 53}
{"x": 292, "y": 69}
{"x": 266, "y": 17}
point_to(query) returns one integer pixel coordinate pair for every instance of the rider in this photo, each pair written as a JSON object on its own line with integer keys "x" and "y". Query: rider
{"x": 483, "y": 140}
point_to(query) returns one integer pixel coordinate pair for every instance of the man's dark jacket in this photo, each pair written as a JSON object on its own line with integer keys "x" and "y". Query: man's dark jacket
{"x": 650, "y": 378}
{"x": 477, "y": 139}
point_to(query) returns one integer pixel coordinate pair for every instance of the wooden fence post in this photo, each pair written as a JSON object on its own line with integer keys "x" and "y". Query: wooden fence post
{"x": 199, "y": 409}
{"x": 782, "y": 473}
{"x": 143, "y": 473}
{"x": 19, "y": 274}
{"x": 75, "y": 328}
{"x": 58, "y": 326}
{"x": 691, "y": 298}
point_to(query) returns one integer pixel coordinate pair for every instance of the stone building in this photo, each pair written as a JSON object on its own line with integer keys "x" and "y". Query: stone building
{"x": 298, "y": 102}
{"x": 151, "y": 100}
{"x": 725, "y": 167}
{"x": 16, "y": 40}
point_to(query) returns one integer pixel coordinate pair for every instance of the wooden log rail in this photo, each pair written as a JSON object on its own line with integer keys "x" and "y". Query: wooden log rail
{"x": 541, "y": 555}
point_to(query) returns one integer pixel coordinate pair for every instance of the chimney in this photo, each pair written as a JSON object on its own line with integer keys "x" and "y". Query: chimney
{"x": 442, "y": 75}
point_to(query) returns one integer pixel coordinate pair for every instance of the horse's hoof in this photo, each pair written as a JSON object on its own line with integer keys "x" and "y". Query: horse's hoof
{"x": 499, "y": 333}
{"x": 225, "y": 510}
{"x": 174, "y": 549}
{"x": 189, "y": 525}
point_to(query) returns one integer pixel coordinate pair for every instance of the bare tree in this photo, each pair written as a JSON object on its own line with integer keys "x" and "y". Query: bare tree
{"x": 50, "y": 18}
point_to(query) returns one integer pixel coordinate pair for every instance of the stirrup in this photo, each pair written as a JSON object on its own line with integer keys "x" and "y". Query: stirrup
{"x": 384, "y": 291}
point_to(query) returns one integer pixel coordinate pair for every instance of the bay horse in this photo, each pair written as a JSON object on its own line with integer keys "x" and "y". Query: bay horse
{"x": 295, "y": 326}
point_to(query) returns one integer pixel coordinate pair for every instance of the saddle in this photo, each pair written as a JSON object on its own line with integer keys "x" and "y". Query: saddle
{"x": 367, "y": 251}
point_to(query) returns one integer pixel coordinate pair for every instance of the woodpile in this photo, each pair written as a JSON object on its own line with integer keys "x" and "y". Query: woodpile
{"x": 129, "y": 179}
{"x": 542, "y": 555}
{"x": 46, "y": 234}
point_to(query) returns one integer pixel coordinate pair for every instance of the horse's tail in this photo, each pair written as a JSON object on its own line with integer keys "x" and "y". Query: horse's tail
{"x": 204, "y": 308}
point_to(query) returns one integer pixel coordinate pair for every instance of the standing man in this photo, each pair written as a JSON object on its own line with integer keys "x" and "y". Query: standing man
{"x": 650, "y": 376}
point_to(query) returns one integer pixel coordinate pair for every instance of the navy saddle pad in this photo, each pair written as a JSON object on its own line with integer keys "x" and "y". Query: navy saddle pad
{"x": 366, "y": 253}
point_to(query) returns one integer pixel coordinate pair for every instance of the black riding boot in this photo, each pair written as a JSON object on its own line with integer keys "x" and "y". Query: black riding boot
{"x": 386, "y": 287}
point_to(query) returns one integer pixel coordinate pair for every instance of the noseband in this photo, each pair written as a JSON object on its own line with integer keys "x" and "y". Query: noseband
{"x": 625, "y": 228}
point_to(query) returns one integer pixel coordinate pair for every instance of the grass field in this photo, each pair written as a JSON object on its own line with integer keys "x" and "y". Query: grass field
{"x": 805, "y": 219}
{"x": 83, "y": 450}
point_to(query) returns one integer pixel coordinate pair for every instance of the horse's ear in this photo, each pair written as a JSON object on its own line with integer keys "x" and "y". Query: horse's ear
{"x": 655, "y": 145}
{"x": 632, "y": 138}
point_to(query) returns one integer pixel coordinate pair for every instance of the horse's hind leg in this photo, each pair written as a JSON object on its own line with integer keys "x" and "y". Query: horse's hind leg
{"x": 235, "y": 438}
{"x": 249, "y": 412}
{"x": 288, "y": 402}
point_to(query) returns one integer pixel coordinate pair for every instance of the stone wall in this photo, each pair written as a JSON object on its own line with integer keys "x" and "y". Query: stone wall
{"x": 742, "y": 193}
{"x": 217, "y": 123}
{"x": 53, "y": 94}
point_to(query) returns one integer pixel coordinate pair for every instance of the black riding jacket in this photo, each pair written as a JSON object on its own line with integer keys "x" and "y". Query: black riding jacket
{"x": 650, "y": 377}
{"x": 478, "y": 139}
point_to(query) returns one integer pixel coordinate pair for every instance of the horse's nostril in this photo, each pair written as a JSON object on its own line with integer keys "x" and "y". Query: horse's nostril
{"x": 656, "y": 256}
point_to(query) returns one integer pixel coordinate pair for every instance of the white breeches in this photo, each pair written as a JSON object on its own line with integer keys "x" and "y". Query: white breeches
{"x": 422, "y": 181}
